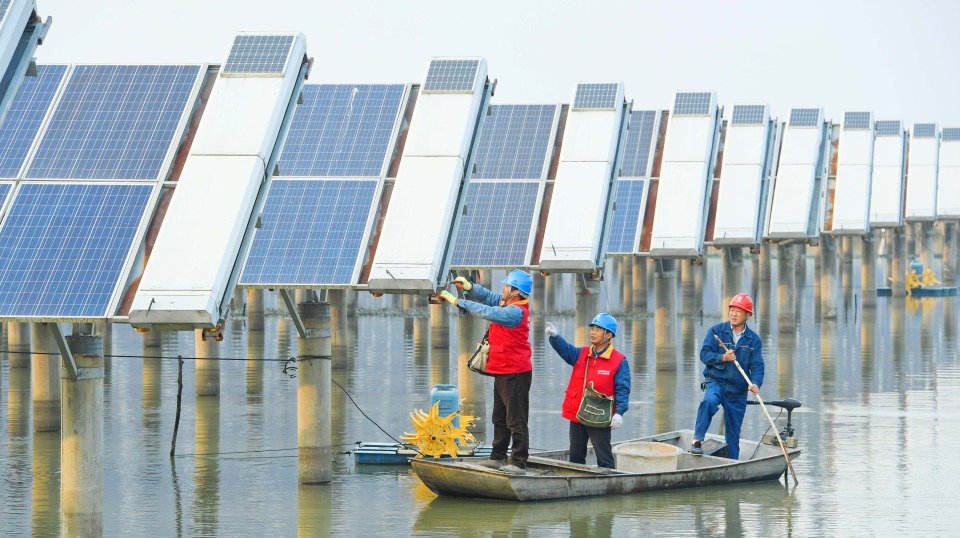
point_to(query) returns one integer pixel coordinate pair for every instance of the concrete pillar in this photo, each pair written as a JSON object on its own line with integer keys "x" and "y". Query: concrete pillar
{"x": 912, "y": 233}
{"x": 18, "y": 404}
{"x": 846, "y": 264}
{"x": 687, "y": 270}
{"x": 550, "y": 283}
{"x": 105, "y": 331}
{"x": 868, "y": 337}
{"x": 732, "y": 273}
{"x": 665, "y": 315}
{"x": 765, "y": 263}
{"x": 949, "y": 274}
{"x": 587, "y": 294}
{"x": 828, "y": 277}
{"x": 538, "y": 297}
{"x": 625, "y": 277}
{"x": 470, "y": 331}
{"x": 340, "y": 334}
{"x": 898, "y": 271}
{"x": 638, "y": 284}
{"x": 152, "y": 378}
{"x": 45, "y": 379}
{"x": 255, "y": 309}
{"x": 868, "y": 271}
{"x": 314, "y": 451}
{"x": 207, "y": 364}
{"x": 786, "y": 288}
{"x": 81, "y": 441}
{"x": 18, "y": 342}
{"x": 927, "y": 246}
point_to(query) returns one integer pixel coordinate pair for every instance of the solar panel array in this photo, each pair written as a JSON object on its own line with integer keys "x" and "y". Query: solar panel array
{"x": 446, "y": 75}
{"x": 590, "y": 96}
{"x": 749, "y": 115}
{"x": 63, "y": 247}
{"x": 889, "y": 127}
{"x": 502, "y": 198}
{"x": 26, "y": 113}
{"x": 623, "y": 227}
{"x": 341, "y": 130}
{"x": 637, "y": 147}
{"x": 315, "y": 219}
{"x": 950, "y": 134}
{"x": 114, "y": 122}
{"x": 856, "y": 120}
{"x": 804, "y": 117}
{"x": 692, "y": 103}
{"x": 5, "y": 189}
{"x": 258, "y": 55}
{"x": 924, "y": 130}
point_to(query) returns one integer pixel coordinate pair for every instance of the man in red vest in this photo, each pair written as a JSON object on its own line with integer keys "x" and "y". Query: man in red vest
{"x": 509, "y": 362}
{"x": 609, "y": 372}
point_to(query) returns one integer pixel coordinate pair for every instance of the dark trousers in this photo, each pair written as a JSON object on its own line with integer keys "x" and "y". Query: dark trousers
{"x": 600, "y": 437}
{"x": 511, "y": 407}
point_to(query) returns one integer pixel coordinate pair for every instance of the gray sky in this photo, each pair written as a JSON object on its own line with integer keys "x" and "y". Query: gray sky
{"x": 897, "y": 58}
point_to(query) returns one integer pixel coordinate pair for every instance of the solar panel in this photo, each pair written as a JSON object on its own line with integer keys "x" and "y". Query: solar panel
{"x": 258, "y": 55}
{"x": 63, "y": 247}
{"x": 924, "y": 130}
{"x": 889, "y": 127}
{"x": 342, "y": 130}
{"x": 692, "y": 103}
{"x": 451, "y": 75}
{"x": 311, "y": 234}
{"x": 26, "y": 113}
{"x": 596, "y": 96}
{"x": 804, "y": 117}
{"x": 950, "y": 134}
{"x": 636, "y": 148}
{"x": 5, "y": 189}
{"x": 856, "y": 120}
{"x": 623, "y": 227}
{"x": 496, "y": 223}
{"x": 4, "y": 6}
{"x": 114, "y": 122}
{"x": 749, "y": 115}
{"x": 514, "y": 142}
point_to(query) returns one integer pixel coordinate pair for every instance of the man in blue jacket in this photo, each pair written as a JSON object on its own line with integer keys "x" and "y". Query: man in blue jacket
{"x": 725, "y": 386}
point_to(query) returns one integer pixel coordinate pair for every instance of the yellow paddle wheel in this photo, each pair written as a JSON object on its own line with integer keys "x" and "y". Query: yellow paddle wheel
{"x": 435, "y": 435}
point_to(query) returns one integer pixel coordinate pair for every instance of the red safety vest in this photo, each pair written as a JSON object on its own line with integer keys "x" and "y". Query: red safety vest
{"x": 603, "y": 369}
{"x": 510, "y": 348}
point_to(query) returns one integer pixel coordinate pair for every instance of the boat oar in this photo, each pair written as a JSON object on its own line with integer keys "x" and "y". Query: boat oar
{"x": 765, "y": 412}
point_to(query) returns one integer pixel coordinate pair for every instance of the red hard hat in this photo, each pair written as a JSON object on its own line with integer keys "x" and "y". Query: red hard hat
{"x": 742, "y": 300}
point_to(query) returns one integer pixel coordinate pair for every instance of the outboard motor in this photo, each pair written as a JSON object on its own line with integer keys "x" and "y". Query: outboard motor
{"x": 786, "y": 435}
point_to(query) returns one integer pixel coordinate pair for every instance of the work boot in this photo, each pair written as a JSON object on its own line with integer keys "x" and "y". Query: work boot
{"x": 492, "y": 463}
{"x": 696, "y": 449}
{"x": 513, "y": 469}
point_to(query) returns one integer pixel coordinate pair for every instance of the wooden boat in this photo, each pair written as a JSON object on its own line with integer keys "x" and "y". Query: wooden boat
{"x": 548, "y": 476}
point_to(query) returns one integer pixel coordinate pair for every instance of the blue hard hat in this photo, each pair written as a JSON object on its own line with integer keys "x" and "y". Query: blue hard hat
{"x": 605, "y": 321}
{"x": 520, "y": 280}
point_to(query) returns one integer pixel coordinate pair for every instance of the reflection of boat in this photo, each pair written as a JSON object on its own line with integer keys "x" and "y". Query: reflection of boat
{"x": 549, "y": 477}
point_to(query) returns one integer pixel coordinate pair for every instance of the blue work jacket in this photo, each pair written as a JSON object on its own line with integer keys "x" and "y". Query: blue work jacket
{"x": 749, "y": 356}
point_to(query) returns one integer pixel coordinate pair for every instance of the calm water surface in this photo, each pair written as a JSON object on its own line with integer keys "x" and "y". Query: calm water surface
{"x": 879, "y": 389}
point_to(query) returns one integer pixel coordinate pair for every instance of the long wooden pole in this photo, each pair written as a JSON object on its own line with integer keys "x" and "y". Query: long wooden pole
{"x": 765, "y": 412}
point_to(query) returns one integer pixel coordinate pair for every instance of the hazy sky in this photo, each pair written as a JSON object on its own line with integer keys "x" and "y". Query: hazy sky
{"x": 897, "y": 58}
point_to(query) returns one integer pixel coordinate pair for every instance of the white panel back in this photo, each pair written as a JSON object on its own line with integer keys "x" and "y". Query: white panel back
{"x": 886, "y": 190}
{"x": 585, "y": 137}
{"x": 795, "y": 181}
{"x": 18, "y": 13}
{"x": 238, "y": 133}
{"x": 451, "y": 119}
{"x": 948, "y": 181}
{"x": 851, "y": 199}
{"x": 741, "y": 179}
{"x": 921, "y": 202}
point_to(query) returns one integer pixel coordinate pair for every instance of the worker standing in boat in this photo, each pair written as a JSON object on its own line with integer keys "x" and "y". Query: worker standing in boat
{"x": 724, "y": 386}
{"x": 608, "y": 371}
{"x": 509, "y": 362}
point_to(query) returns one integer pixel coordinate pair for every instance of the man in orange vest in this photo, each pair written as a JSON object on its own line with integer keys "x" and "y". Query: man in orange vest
{"x": 609, "y": 372}
{"x": 508, "y": 362}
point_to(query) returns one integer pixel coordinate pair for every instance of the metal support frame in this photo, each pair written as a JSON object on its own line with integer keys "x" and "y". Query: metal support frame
{"x": 292, "y": 307}
{"x": 71, "y": 371}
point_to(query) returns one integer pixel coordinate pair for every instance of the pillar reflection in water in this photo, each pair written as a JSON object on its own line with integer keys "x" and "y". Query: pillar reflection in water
{"x": 17, "y": 471}
{"x": 255, "y": 365}
{"x": 665, "y": 317}
{"x": 45, "y": 520}
{"x": 828, "y": 277}
{"x": 868, "y": 355}
{"x": 152, "y": 380}
{"x": 786, "y": 357}
{"x": 314, "y": 510}
{"x": 45, "y": 379}
{"x": 640, "y": 341}
{"x": 206, "y": 472}
{"x": 665, "y": 396}
{"x": 828, "y": 356}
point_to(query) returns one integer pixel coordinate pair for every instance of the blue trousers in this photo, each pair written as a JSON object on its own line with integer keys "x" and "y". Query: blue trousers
{"x": 733, "y": 411}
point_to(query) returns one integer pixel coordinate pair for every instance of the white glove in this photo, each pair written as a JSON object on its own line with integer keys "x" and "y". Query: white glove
{"x": 616, "y": 422}
{"x": 550, "y": 330}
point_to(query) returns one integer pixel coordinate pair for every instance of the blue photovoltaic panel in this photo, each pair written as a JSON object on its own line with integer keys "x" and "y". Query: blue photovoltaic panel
{"x": 311, "y": 233}
{"x": 692, "y": 103}
{"x": 889, "y": 127}
{"x": 804, "y": 117}
{"x": 4, "y": 6}
{"x": 495, "y": 227}
{"x": 26, "y": 112}
{"x": 748, "y": 115}
{"x": 950, "y": 134}
{"x": 596, "y": 96}
{"x": 63, "y": 247}
{"x": 924, "y": 130}
{"x": 623, "y": 228}
{"x": 4, "y": 191}
{"x": 856, "y": 120}
{"x": 258, "y": 55}
{"x": 636, "y": 148}
{"x": 514, "y": 142}
{"x": 341, "y": 130}
{"x": 451, "y": 75}
{"x": 114, "y": 122}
